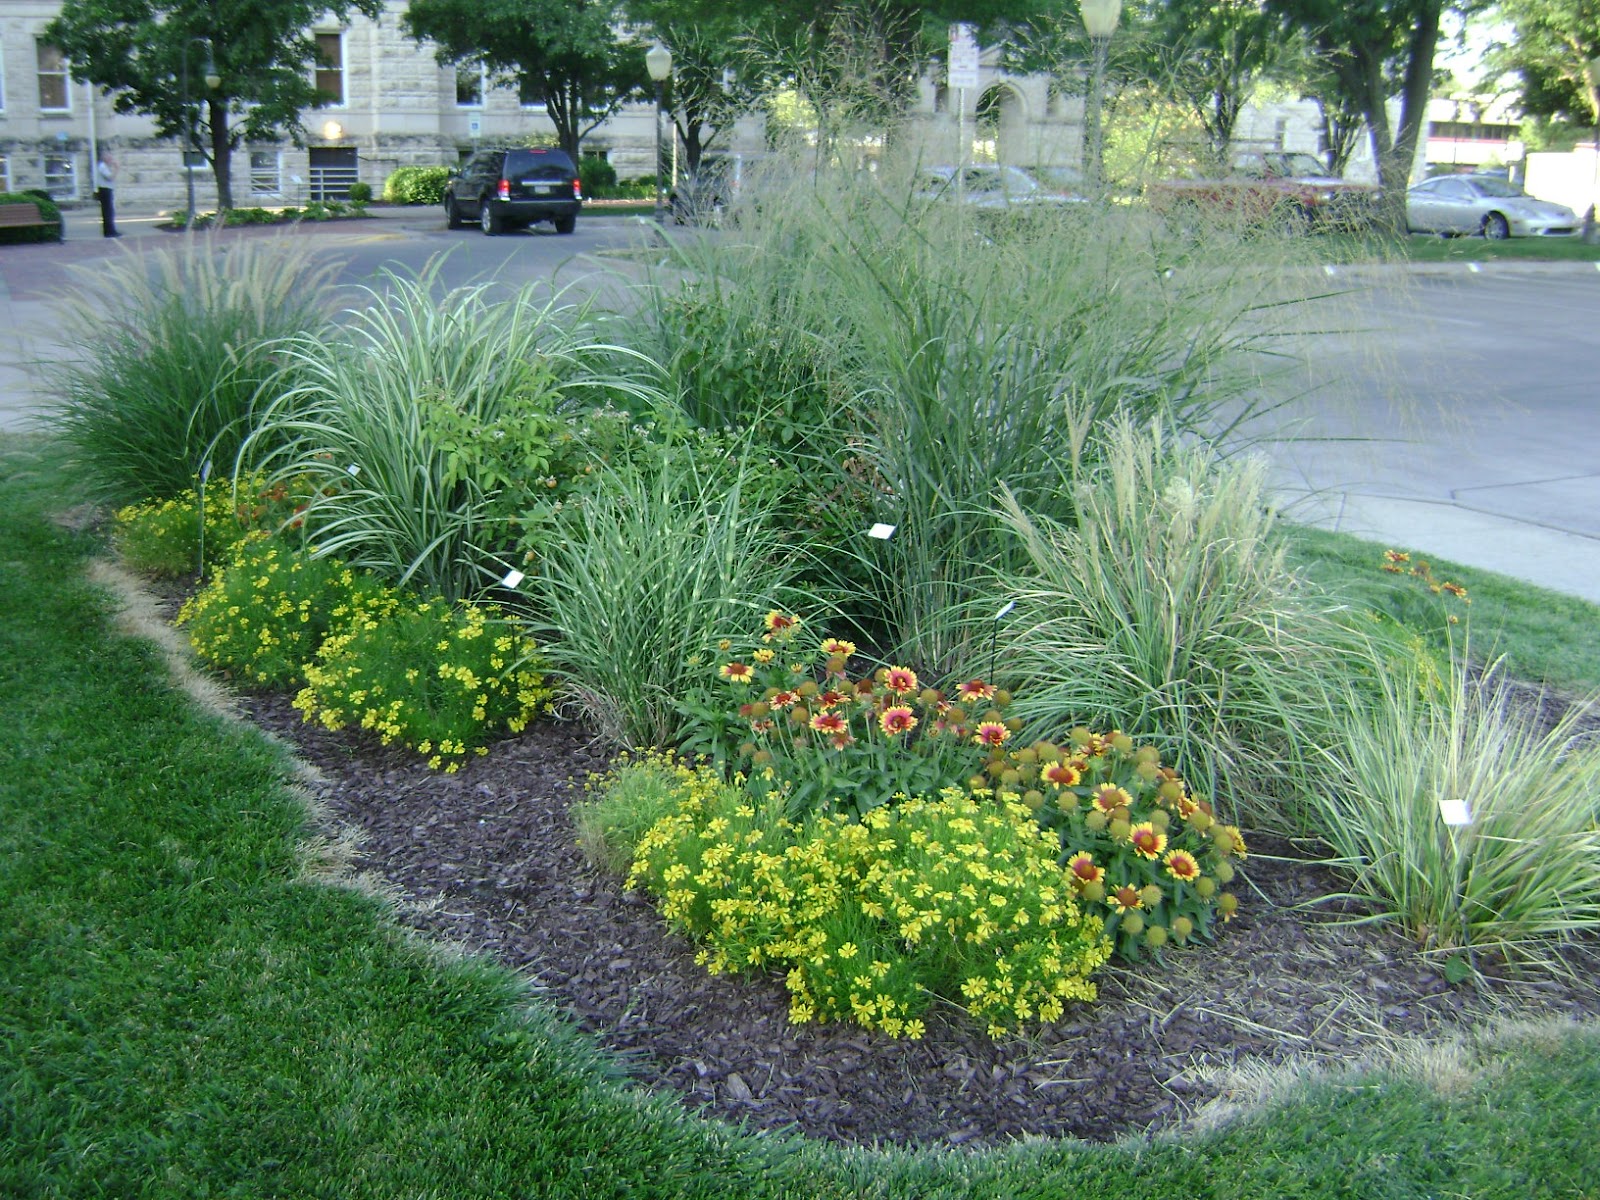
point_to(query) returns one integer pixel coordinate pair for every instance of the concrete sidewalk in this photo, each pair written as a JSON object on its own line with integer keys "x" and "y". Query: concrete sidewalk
{"x": 1514, "y": 488}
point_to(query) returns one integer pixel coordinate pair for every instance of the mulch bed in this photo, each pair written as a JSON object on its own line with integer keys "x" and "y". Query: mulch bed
{"x": 487, "y": 859}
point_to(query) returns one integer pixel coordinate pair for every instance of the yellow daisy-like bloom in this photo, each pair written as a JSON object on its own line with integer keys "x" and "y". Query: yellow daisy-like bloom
{"x": 839, "y": 646}
{"x": 1061, "y": 775}
{"x": 764, "y": 655}
{"x": 781, "y": 627}
{"x": 1147, "y": 840}
{"x": 736, "y": 672}
{"x": 975, "y": 689}
{"x": 829, "y": 723}
{"x": 897, "y": 719}
{"x": 1108, "y": 797}
{"x": 1181, "y": 865}
{"x": 901, "y": 680}
{"x": 1083, "y": 869}
{"x": 991, "y": 733}
{"x": 1125, "y": 898}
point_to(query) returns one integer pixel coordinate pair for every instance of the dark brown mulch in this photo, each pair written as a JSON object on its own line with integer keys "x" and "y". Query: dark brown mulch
{"x": 487, "y": 858}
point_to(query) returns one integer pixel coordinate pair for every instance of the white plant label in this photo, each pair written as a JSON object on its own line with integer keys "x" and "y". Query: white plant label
{"x": 513, "y": 577}
{"x": 1455, "y": 812}
{"x": 881, "y": 531}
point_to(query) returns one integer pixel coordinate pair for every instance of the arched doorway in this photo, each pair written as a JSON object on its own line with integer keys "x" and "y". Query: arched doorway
{"x": 1001, "y": 121}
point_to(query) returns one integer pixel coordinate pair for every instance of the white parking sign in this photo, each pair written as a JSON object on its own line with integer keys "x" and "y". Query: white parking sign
{"x": 963, "y": 69}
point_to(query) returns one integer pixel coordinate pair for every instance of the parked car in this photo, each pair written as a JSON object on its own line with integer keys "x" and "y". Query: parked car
{"x": 987, "y": 186}
{"x": 513, "y": 188}
{"x": 1273, "y": 185}
{"x": 1494, "y": 207}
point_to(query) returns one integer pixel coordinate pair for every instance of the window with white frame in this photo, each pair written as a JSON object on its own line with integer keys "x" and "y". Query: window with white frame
{"x": 54, "y": 94}
{"x": 472, "y": 81}
{"x": 527, "y": 92}
{"x": 266, "y": 173}
{"x": 5, "y": 173}
{"x": 330, "y": 67}
{"x": 60, "y": 173}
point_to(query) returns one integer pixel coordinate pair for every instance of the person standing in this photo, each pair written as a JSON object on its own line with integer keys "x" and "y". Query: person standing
{"x": 105, "y": 182}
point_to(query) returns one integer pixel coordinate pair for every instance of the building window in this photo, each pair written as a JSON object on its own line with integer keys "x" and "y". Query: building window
{"x": 330, "y": 67}
{"x": 61, "y": 176}
{"x": 528, "y": 93}
{"x": 266, "y": 173}
{"x": 5, "y": 173}
{"x": 2, "y": 80}
{"x": 472, "y": 81}
{"x": 54, "y": 95}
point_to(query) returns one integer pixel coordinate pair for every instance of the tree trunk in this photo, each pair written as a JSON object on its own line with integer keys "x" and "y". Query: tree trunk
{"x": 221, "y": 152}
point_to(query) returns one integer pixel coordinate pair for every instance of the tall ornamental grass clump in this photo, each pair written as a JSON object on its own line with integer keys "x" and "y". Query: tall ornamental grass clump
{"x": 425, "y": 415}
{"x": 1523, "y": 875}
{"x": 1165, "y": 610}
{"x": 167, "y": 352}
{"x": 927, "y": 357}
{"x": 660, "y": 552}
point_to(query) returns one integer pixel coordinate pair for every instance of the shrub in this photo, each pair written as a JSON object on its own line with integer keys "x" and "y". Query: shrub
{"x": 1524, "y": 874}
{"x": 1166, "y": 610}
{"x": 265, "y": 614}
{"x": 168, "y": 352}
{"x": 163, "y": 537}
{"x": 830, "y": 743}
{"x": 416, "y": 185}
{"x": 1144, "y": 854}
{"x": 435, "y": 676}
{"x": 596, "y": 175}
{"x": 949, "y": 897}
{"x": 48, "y": 211}
{"x": 360, "y": 193}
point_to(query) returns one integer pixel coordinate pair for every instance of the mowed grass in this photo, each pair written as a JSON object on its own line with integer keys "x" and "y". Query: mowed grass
{"x": 1431, "y": 248}
{"x": 1545, "y": 637}
{"x": 185, "y": 1011}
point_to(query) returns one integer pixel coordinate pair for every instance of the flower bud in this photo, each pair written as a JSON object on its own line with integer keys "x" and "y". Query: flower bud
{"x": 1027, "y": 755}
{"x": 1155, "y": 937}
{"x": 1034, "y": 799}
{"x": 1151, "y": 895}
{"x": 1200, "y": 820}
{"x": 1171, "y": 791}
{"x": 1094, "y": 891}
{"x": 1160, "y": 818}
{"x": 1224, "y": 871}
{"x": 929, "y": 698}
{"x": 1121, "y": 743}
{"x": 1096, "y": 820}
{"x": 1133, "y": 923}
{"x": 1080, "y": 736}
{"x": 807, "y": 689}
{"x": 1121, "y": 827}
{"x": 1148, "y": 754}
{"x": 1227, "y": 904}
{"x": 1205, "y": 887}
{"x": 746, "y": 749}
{"x": 1002, "y": 698}
{"x": 1147, "y": 771}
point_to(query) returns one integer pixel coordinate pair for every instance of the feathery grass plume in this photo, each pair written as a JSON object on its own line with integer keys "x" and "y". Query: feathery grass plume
{"x": 1524, "y": 874}
{"x": 390, "y": 419}
{"x": 1166, "y": 611}
{"x": 166, "y": 353}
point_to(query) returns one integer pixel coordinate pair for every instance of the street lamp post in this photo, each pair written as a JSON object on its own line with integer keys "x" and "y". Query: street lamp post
{"x": 1099, "y": 21}
{"x": 658, "y": 62}
{"x": 212, "y": 81}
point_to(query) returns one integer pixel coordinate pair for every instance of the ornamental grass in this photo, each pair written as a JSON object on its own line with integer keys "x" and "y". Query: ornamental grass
{"x": 1521, "y": 875}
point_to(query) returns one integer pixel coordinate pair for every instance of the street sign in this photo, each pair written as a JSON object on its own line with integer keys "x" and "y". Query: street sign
{"x": 963, "y": 69}
{"x": 475, "y": 125}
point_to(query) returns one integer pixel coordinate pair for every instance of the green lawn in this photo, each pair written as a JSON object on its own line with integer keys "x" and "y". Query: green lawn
{"x": 184, "y": 1012}
{"x": 1428, "y": 248}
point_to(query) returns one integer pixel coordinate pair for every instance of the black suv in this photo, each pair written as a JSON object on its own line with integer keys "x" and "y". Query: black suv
{"x": 506, "y": 189}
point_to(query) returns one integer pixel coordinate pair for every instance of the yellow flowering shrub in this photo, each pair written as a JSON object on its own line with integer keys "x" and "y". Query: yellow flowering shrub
{"x": 435, "y": 676}
{"x": 958, "y": 897}
{"x": 161, "y": 538}
{"x": 263, "y": 616}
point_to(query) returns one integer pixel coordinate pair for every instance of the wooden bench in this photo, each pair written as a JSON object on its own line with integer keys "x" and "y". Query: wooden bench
{"x": 27, "y": 216}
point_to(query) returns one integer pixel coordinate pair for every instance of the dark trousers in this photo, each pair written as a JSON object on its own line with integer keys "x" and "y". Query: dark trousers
{"x": 108, "y": 216}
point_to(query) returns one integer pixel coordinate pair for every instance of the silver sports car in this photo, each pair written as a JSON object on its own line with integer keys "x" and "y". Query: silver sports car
{"x": 1487, "y": 205}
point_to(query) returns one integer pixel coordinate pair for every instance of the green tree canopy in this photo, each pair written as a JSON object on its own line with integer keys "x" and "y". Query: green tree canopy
{"x": 565, "y": 54}
{"x": 1554, "y": 42}
{"x": 152, "y": 55}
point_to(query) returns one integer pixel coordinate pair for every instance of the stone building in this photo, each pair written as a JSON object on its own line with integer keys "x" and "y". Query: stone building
{"x": 396, "y": 106}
